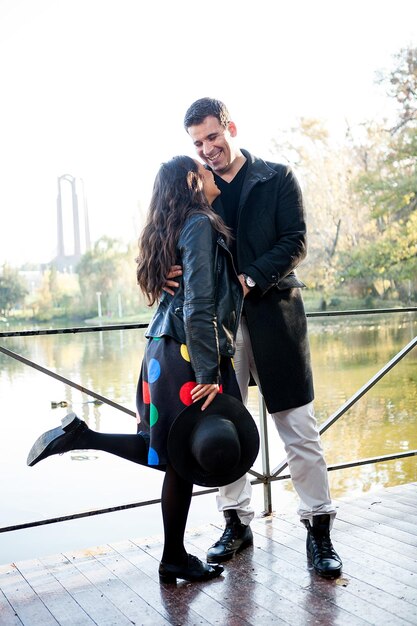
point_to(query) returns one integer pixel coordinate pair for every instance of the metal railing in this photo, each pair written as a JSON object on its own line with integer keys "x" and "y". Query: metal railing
{"x": 267, "y": 476}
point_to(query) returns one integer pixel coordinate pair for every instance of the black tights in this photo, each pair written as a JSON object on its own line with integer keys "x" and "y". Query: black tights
{"x": 176, "y": 492}
{"x": 130, "y": 447}
{"x": 175, "y": 502}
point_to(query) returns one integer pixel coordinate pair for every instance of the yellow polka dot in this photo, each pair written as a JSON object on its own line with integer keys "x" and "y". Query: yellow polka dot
{"x": 184, "y": 352}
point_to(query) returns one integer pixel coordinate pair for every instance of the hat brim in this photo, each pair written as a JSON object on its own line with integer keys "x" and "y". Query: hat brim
{"x": 179, "y": 448}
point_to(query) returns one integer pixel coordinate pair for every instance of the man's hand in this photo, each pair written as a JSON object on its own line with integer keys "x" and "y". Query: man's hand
{"x": 175, "y": 270}
{"x": 200, "y": 391}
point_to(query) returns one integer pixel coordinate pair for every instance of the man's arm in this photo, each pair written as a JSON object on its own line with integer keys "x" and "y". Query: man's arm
{"x": 176, "y": 270}
{"x": 282, "y": 228}
{"x": 170, "y": 285}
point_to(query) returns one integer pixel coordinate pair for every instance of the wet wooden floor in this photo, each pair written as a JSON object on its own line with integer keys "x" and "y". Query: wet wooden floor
{"x": 271, "y": 583}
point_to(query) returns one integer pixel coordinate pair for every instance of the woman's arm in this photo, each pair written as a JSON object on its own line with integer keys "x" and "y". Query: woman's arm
{"x": 197, "y": 246}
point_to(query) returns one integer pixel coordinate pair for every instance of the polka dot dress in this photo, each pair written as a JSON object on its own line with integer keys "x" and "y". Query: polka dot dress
{"x": 164, "y": 390}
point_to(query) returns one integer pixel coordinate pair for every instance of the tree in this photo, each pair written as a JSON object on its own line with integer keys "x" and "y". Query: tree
{"x": 55, "y": 296}
{"x": 335, "y": 216}
{"x": 388, "y": 186}
{"x": 110, "y": 270}
{"x": 401, "y": 85}
{"x": 12, "y": 289}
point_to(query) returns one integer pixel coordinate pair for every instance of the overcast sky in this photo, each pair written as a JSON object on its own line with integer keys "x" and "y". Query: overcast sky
{"x": 98, "y": 89}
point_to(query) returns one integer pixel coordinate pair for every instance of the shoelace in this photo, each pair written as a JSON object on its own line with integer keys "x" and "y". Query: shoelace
{"x": 226, "y": 537}
{"x": 325, "y": 547}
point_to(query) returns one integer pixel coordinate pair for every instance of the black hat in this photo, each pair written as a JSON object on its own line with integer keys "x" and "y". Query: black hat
{"x": 216, "y": 446}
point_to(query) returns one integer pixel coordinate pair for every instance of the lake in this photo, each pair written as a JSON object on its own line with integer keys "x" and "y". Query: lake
{"x": 346, "y": 353}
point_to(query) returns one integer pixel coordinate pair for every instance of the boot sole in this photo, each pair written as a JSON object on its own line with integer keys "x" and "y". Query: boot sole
{"x": 41, "y": 445}
{"x": 171, "y": 579}
{"x": 328, "y": 575}
{"x": 42, "y": 442}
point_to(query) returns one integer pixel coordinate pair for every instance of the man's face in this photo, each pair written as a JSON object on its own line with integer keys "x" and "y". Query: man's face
{"x": 214, "y": 143}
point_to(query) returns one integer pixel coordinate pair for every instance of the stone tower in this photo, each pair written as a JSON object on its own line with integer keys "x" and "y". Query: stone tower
{"x": 72, "y": 242}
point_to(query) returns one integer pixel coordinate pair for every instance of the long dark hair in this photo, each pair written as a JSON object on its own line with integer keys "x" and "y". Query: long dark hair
{"x": 177, "y": 194}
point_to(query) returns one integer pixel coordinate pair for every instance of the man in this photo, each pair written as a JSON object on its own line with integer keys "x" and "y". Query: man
{"x": 262, "y": 203}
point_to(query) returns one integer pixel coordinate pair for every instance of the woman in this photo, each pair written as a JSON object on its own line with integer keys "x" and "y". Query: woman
{"x": 190, "y": 345}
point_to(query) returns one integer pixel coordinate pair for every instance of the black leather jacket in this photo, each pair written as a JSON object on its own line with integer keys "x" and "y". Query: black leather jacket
{"x": 205, "y": 310}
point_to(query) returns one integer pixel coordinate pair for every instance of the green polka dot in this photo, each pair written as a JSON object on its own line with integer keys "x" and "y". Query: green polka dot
{"x": 153, "y": 415}
{"x": 156, "y": 338}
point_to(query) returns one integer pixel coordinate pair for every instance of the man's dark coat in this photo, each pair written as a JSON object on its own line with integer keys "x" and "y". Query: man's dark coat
{"x": 270, "y": 244}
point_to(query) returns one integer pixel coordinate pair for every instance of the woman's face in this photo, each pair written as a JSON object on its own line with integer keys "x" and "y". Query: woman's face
{"x": 211, "y": 191}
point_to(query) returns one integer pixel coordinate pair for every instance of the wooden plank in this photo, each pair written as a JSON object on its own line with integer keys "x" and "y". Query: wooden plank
{"x": 201, "y": 601}
{"x": 359, "y": 605}
{"x": 260, "y": 602}
{"x": 325, "y": 591}
{"x": 23, "y": 599}
{"x": 270, "y": 583}
{"x": 249, "y": 600}
{"x": 290, "y": 582}
{"x": 346, "y": 528}
{"x": 358, "y": 525}
{"x": 395, "y": 607}
{"x": 90, "y": 599}
{"x": 8, "y": 617}
{"x": 296, "y": 603}
{"x": 368, "y": 565}
{"x": 400, "y": 492}
{"x": 59, "y": 602}
{"x": 404, "y": 489}
{"x": 174, "y": 602}
{"x": 379, "y": 524}
{"x": 392, "y": 502}
{"x": 133, "y": 607}
{"x": 404, "y": 496}
{"x": 391, "y": 492}
{"x": 390, "y": 513}
{"x": 407, "y": 559}
{"x": 362, "y": 587}
{"x": 400, "y": 524}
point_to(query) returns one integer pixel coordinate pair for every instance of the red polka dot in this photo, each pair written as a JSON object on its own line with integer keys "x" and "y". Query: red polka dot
{"x": 220, "y": 388}
{"x": 185, "y": 392}
{"x": 145, "y": 392}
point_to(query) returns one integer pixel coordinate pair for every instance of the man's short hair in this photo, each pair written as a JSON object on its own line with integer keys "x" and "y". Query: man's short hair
{"x": 200, "y": 109}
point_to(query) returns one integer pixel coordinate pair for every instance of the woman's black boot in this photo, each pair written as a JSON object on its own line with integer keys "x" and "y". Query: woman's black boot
{"x": 58, "y": 440}
{"x": 193, "y": 570}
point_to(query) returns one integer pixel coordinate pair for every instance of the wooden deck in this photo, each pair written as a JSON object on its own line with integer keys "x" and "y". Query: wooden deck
{"x": 270, "y": 583}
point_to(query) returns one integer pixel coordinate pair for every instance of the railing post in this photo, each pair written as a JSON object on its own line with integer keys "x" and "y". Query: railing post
{"x": 263, "y": 427}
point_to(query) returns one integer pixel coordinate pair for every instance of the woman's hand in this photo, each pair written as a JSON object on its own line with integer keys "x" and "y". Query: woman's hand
{"x": 201, "y": 391}
{"x": 175, "y": 270}
{"x": 246, "y": 289}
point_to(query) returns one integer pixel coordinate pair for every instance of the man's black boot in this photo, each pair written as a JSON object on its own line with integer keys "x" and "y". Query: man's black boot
{"x": 236, "y": 537}
{"x": 324, "y": 558}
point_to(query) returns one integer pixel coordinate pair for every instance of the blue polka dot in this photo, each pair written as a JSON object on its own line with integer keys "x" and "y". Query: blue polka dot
{"x": 153, "y": 457}
{"x": 154, "y": 370}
